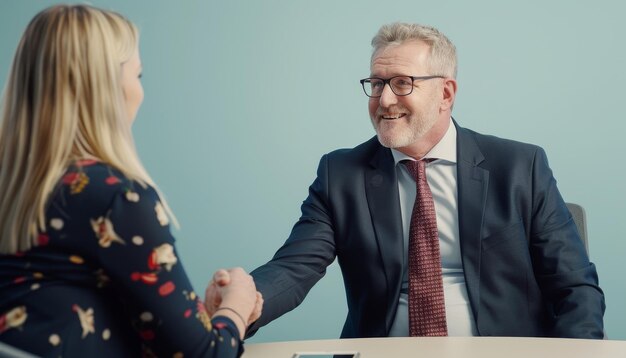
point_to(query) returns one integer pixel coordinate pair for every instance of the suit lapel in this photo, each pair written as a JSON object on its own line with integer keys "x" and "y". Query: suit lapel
{"x": 472, "y": 183}
{"x": 383, "y": 200}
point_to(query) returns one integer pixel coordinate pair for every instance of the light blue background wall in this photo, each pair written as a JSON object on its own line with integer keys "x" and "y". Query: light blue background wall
{"x": 243, "y": 97}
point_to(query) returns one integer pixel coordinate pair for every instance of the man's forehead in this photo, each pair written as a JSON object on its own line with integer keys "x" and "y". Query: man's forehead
{"x": 406, "y": 54}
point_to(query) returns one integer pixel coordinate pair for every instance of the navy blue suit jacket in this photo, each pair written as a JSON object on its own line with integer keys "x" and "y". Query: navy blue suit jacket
{"x": 526, "y": 269}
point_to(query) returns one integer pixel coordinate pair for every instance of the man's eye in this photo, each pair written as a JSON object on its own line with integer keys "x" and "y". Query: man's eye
{"x": 403, "y": 83}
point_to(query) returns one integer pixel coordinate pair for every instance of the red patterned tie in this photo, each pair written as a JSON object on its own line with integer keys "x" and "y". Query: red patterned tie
{"x": 427, "y": 312}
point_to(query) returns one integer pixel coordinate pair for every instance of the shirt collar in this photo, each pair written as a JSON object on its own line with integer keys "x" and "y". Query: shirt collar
{"x": 445, "y": 149}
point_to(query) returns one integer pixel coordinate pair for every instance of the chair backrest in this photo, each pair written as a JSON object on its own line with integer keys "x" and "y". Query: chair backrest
{"x": 580, "y": 218}
{"x": 7, "y": 351}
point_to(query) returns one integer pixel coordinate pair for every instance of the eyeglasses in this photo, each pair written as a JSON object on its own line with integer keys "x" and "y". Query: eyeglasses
{"x": 400, "y": 85}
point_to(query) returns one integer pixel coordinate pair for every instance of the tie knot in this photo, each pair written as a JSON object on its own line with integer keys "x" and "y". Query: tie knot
{"x": 417, "y": 168}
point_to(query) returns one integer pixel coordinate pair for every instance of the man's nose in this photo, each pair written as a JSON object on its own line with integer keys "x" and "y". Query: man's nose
{"x": 387, "y": 97}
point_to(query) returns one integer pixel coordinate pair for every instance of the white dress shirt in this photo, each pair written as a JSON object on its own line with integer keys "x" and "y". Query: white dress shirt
{"x": 442, "y": 179}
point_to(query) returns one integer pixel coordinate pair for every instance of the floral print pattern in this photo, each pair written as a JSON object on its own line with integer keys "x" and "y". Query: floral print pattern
{"x": 15, "y": 318}
{"x": 86, "y": 319}
{"x": 162, "y": 255}
{"x": 104, "y": 232}
{"x": 105, "y": 279}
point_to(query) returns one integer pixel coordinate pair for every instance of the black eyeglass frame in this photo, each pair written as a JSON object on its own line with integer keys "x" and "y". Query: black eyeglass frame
{"x": 388, "y": 82}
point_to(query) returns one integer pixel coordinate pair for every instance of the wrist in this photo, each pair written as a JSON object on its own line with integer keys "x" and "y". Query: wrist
{"x": 233, "y": 311}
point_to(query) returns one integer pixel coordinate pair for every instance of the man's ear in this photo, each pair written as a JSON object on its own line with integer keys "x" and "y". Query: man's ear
{"x": 449, "y": 93}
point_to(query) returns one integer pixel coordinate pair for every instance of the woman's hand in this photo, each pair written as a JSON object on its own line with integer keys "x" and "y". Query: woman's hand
{"x": 232, "y": 293}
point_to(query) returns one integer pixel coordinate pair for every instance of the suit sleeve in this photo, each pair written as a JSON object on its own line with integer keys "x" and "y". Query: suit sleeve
{"x": 302, "y": 260}
{"x": 568, "y": 280}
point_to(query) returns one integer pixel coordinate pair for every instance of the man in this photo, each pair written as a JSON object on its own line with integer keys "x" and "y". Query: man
{"x": 509, "y": 260}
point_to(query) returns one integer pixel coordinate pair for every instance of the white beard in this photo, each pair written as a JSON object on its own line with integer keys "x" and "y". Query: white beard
{"x": 413, "y": 130}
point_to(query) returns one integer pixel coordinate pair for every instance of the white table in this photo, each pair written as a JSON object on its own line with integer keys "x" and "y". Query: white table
{"x": 447, "y": 347}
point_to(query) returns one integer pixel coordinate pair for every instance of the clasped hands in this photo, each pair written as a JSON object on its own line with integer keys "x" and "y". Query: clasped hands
{"x": 232, "y": 293}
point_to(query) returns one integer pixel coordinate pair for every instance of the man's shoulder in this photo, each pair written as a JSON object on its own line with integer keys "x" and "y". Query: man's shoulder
{"x": 491, "y": 144}
{"x": 363, "y": 151}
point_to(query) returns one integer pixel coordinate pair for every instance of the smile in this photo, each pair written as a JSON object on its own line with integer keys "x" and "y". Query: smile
{"x": 392, "y": 116}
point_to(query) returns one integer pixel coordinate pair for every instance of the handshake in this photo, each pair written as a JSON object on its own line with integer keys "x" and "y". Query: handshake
{"x": 232, "y": 293}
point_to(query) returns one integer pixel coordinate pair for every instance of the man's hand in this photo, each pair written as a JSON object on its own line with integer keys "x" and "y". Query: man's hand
{"x": 221, "y": 285}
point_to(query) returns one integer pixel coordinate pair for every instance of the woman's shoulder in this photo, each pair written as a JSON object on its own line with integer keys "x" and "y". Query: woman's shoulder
{"x": 90, "y": 175}
{"x": 95, "y": 184}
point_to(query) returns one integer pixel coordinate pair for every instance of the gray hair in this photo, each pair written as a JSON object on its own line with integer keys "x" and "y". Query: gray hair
{"x": 442, "y": 59}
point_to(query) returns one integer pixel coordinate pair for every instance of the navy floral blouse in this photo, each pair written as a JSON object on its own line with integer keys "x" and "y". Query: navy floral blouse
{"x": 105, "y": 280}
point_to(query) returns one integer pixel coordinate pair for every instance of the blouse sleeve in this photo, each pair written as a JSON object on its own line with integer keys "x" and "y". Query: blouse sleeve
{"x": 136, "y": 250}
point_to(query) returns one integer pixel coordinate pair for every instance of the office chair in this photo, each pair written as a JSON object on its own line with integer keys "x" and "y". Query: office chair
{"x": 7, "y": 351}
{"x": 580, "y": 218}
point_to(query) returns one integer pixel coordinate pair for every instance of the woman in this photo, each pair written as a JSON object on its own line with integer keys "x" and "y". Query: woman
{"x": 87, "y": 262}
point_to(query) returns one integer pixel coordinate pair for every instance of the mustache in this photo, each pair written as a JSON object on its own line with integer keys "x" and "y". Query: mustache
{"x": 391, "y": 110}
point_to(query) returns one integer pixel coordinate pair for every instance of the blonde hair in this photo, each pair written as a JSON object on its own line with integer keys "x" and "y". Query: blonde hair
{"x": 442, "y": 59}
{"x": 63, "y": 101}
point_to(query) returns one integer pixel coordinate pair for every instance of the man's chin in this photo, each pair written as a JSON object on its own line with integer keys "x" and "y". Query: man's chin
{"x": 392, "y": 142}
